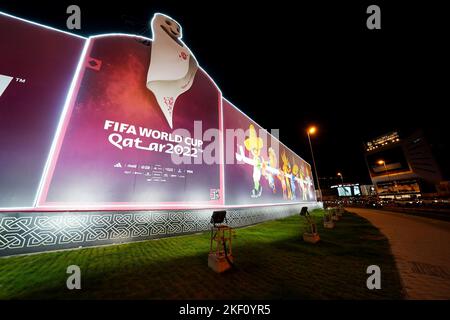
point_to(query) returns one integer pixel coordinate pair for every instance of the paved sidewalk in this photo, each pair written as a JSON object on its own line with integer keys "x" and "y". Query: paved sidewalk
{"x": 421, "y": 248}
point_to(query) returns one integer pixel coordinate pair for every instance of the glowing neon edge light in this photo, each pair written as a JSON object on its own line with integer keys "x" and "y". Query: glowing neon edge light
{"x": 40, "y": 25}
{"x": 61, "y": 121}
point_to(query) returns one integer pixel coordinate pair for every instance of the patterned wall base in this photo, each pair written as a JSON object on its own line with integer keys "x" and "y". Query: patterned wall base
{"x": 26, "y": 232}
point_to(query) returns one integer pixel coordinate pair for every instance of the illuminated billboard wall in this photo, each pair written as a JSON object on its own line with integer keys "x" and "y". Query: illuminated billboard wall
{"x": 121, "y": 121}
{"x": 118, "y": 147}
{"x": 347, "y": 190}
{"x": 258, "y": 168}
{"x": 37, "y": 65}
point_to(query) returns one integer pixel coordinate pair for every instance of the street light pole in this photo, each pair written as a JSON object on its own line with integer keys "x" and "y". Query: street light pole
{"x": 389, "y": 177}
{"x": 314, "y": 162}
{"x": 342, "y": 177}
{"x": 386, "y": 170}
{"x": 342, "y": 181}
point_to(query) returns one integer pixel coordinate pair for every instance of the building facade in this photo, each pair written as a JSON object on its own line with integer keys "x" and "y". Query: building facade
{"x": 402, "y": 167}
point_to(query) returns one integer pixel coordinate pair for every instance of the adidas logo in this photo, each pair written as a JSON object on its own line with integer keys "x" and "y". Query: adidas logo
{"x": 118, "y": 165}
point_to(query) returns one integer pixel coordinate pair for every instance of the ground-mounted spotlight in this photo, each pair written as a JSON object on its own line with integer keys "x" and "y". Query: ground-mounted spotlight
{"x": 219, "y": 217}
{"x": 220, "y": 256}
{"x": 340, "y": 211}
{"x": 335, "y": 214}
{"x": 328, "y": 222}
{"x": 311, "y": 235}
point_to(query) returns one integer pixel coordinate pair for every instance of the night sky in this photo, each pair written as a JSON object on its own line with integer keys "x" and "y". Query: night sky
{"x": 290, "y": 66}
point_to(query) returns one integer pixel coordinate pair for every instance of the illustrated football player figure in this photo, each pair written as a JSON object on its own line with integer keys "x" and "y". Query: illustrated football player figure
{"x": 287, "y": 175}
{"x": 172, "y": 66}
{"x": 254, "y": 144}
{"x": 270, "y": 164}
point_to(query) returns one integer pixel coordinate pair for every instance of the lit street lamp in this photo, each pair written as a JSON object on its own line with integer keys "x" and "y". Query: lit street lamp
{"x": 310, "y": 131}
{"x": 382, "y": 162}
{"x": 342, "y": 181}
{"x": 342, "y": 178}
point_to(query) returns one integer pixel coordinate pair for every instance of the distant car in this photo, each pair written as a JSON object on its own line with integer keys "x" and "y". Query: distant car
{"x": 373, "y": 204}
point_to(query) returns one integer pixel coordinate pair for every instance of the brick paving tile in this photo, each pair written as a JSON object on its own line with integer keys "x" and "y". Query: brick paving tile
{"x": 421, "y": 248}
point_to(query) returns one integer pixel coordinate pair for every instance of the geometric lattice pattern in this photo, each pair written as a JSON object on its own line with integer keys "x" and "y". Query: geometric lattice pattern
{"x": 41, "y": 231}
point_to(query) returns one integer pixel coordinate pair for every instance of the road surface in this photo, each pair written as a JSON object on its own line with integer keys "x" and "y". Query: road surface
{"x": 421, "y": 247}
